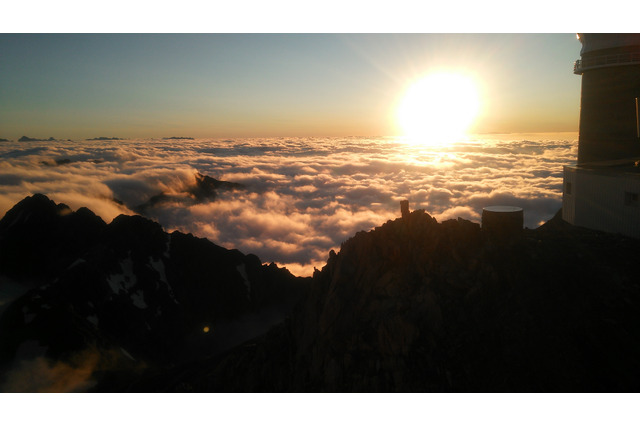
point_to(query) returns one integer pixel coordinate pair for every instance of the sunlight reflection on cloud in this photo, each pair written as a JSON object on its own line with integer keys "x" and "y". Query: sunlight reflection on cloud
{"x": 304, "y": 196}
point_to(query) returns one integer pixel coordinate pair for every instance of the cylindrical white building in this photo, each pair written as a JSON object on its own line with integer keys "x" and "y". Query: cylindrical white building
{"x": 610, "y": 69}
{"x": 602, "y": 191}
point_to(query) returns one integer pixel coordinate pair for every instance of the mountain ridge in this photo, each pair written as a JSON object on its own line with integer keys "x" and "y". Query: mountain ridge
{"x": 420, "y": 306}
{"x": 410, "y": 306}
{"x": 127, "y": 287}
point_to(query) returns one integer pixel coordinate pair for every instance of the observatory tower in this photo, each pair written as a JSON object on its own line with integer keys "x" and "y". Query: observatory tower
{"x": 602, "y": 190}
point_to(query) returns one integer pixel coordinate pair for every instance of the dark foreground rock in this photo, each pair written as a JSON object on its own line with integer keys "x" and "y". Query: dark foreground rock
{"x": 126, "y": 296}
{"x": 421, "y": 306}
{"x": 411, "y": 306}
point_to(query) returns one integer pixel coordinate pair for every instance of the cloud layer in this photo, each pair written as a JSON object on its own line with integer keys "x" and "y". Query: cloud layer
{"x": 304, "y": 195}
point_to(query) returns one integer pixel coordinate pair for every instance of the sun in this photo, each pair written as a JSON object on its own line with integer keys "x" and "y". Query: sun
{"x": 439, "y": 108}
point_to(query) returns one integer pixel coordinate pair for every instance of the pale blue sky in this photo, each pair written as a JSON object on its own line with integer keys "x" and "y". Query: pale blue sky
{"x": 234, "y": 85}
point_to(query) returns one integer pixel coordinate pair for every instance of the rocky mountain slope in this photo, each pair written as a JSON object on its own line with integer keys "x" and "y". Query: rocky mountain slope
{"x": 416, "y": 305}
{"x": 127, "y": 292}
{"x": 413, "y": 306}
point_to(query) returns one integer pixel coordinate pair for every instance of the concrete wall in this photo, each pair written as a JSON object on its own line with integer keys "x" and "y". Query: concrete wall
{"x": 602, "y": 199}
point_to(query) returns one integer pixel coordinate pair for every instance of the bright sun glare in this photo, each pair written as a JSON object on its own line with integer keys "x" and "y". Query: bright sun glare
{"x": 439, "y": 108}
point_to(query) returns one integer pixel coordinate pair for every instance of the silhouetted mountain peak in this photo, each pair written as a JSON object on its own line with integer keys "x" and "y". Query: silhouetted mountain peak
{"x": 417, "y": 305}
{"x": 205, "y": 189}
{"x": 412, "y": 305}
{"x": 136, "y": 226}
{"x": 38, "y": 209}
{"x": 405, "y": 242}
{"x": 38, "y": 236}
{"x": 28, "y": 139}
{"x": 128, "y": 288}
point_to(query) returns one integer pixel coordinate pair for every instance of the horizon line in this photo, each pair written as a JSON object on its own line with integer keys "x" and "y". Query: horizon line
{"x": 114, "y": 138}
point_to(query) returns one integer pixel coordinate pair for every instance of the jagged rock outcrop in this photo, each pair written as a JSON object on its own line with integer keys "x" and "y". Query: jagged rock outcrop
{"x": 39, "y": 238}
{"x": 106, "y": 138}
{"x": 128, "y": 287}
{"x": 384, "y": 295}
{"x": 416, "y": 305}
{"x": 413, "y": 306}
{"x": 28, "y": 139}
{"x": 205, "y": 189}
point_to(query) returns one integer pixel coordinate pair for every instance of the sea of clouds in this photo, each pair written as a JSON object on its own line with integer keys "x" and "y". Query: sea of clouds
{"x": 304, "y": 196}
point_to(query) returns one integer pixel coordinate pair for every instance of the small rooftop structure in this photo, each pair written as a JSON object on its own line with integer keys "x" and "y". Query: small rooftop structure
{"x": 502, "y": 224}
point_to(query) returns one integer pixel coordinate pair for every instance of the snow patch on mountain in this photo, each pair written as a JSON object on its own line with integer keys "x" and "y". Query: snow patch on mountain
{"x": 19, "y": 219}
{"x": 127, "y": 354}
{"x": 167, "y": 253}
{"x": 124, "y": 281}
{"x": 138, "y": 299}
{"x": 158, "y": 266}
{"x": 242, "y": 270}
{"x": 76, "y": 263}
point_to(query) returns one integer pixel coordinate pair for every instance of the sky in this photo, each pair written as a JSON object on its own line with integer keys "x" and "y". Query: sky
{"x": 247, "y": 85}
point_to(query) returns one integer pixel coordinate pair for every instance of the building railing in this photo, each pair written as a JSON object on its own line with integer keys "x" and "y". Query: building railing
{"x": 618, "y": 59}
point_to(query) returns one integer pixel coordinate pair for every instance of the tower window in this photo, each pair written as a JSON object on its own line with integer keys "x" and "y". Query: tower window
{"x": 631, "y": 199}
{"x": 567, "y": 188}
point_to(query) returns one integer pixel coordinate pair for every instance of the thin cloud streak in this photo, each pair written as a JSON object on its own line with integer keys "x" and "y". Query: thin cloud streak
{"x": 304, "y": 196}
